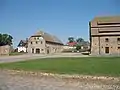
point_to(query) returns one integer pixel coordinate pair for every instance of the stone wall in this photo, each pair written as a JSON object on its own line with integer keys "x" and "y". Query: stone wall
{"x": 5, "y": 50}
{"x": 99, "y": 44}
{"x": 54, "y": 48}
{"x": 102, "y": 29}
{"x": 45, "y": 48}
{"x": 34, "y": 44}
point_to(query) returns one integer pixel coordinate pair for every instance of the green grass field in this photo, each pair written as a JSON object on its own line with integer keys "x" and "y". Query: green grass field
{"x": 16, "y": 53}
{"x": 109, "y": 66}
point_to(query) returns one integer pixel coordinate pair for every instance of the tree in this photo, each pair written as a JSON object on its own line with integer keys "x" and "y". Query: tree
{"x": 80, "y": 40}
{"x": 71, "y": 39}
{"x": 5, "y": 39}
{"x": 78, "y": 47}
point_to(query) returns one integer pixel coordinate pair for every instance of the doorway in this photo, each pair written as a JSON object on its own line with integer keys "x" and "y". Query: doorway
{"x": 37, "y": 51}
{"x": 107, "y": 50}
{"x": 47, "y": 51}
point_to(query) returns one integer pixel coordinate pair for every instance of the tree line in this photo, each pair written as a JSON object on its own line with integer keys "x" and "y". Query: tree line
{"x": 5, "y": 39}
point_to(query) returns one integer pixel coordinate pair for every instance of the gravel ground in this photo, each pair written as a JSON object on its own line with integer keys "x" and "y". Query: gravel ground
{"x": 10, "y": 81}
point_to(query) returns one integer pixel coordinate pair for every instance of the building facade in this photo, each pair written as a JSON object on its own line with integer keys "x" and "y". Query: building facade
{"x": 44, "y": 43}
{"x": 5, "y": 50}
{"x": 22, "y": 46}
{"x": 105, "y": 35}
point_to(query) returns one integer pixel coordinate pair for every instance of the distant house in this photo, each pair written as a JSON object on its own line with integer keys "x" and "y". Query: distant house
{"x": 44, "y": 43}
{"x": 84, "y": 45}
{"x": 5, "y": 50}
{"x": 22, "y": 46}
{"x": 72, "y": 44}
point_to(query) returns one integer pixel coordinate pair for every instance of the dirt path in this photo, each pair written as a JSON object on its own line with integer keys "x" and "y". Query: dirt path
{"x": 6, "y": 59}
{"x": 10, "y": 81}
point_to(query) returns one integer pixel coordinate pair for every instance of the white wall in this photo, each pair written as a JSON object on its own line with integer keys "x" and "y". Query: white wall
{"x": 24, "y": 49}
{"x": 68, "y": 47}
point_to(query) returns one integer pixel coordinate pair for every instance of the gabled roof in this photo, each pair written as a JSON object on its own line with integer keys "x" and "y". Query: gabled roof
{"x": 22, "y": 43}
{"x": 48, "y": 37}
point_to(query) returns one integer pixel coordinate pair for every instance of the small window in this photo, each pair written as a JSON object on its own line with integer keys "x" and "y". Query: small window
{"x": 36, "y": 42}
{"x": 106, "y": 40}
{"x": 35, "y": 38}
{"x": 41, "y": 42}
{"x": 32, "y": 50}
{"x": 31, "y": 42}
{"x": 118, "y": 47}
{"x": 118, "y": 39}
{"x": 42, "y": 49}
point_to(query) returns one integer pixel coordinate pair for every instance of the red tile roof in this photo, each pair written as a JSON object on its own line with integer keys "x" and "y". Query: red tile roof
{"x": 71, "y": 43}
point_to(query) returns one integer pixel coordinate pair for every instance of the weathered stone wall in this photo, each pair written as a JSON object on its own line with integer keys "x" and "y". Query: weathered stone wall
{"x": 45, "y": 48}
{"x": 5, "y": 50}
{"x": 113, "y": 45}
{"x": 53, "y": 48}
{"x": 36, "y": 43}
{"x": 95, "y": 46}
{"x": 102, "y": 29}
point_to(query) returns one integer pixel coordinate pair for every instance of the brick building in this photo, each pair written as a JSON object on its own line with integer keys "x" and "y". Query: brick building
{"x": 105, "y": 35}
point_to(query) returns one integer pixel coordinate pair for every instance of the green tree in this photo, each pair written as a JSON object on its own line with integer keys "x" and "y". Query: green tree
{"x": 80, "y": 40}
{"x": 5, "y": 39}
{"x": 78, "y": 47}
{"x": 71, "y": 39}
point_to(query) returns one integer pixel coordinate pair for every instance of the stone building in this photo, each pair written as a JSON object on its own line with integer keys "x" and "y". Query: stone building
{"x": 5, "y": 50}
{"x": 44, "y": 43}
{"x": 105, "y": 35}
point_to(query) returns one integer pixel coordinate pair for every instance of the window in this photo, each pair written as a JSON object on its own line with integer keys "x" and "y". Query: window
{"x": 118, "y": 47}
{"x": 106, "y": 40}
{"x": 42, "y": 49}
{"x": 35, "y": 38}
{"x": 41, "y": 42}
{"x": 36, "y": 42}
{"x": 31, "y": 42}
{"x": 32, "y": 50}
{"x": 37, "y": 50}
{"x": 106, "y": 49}
{"x": 118, "y": 39}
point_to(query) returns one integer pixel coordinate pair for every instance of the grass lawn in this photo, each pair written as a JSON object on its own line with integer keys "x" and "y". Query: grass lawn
{"x": 16, "y": 53}
{"x": 85, "y": 65}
